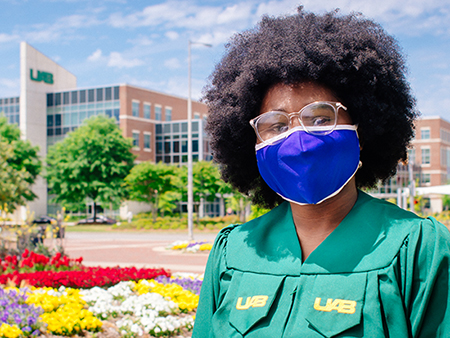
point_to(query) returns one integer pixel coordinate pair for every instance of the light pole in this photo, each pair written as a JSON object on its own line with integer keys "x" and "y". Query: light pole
{"x": 190, "y": 187}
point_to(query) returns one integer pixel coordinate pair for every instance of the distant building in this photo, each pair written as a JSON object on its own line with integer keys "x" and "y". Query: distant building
{"x": 50, "y": 106}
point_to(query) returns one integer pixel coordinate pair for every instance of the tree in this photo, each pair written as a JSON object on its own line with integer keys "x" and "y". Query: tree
{"x": 19, "y": 167}
{"x": 207, "y": 182}
{"x": 91, "y": 162}
{"x": 148, "y": 182}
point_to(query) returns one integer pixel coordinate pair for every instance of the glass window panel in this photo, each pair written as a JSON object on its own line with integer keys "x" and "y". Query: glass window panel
{"x": 91, "y": 106}
{"x": 99, "y": 94}
{"x": 91, "y": 95}
{"x": 66, "y": 130}
{"x": 158, "y": 129}
{"x": 157, "y": 113}
{"x": 91, "y": 113}
{"x": 50, "y": 132}
{"x": 57, "y": 131}
{"x": 66, "y": 119}
{"x": 168, "y": 114}
{"x": 49, "y": 120}
{"x": 176, "y": 146}
{"x": 166, "y": 128}
{"x": 74, "y": 119}
{"x": 82, "y": 116}
{"x": 135, "y": 108}
{"x": 11, "y": 119}
{"x": 116, "y": 93}
{"x": 108, "y": 94}
{"x": 108, "y": 112}
{"x": 17, "y": 119}
{"x": 166, "y": 147}
{"x": 159, "y": 147}
{"x": 74, "y": 97}
{"x": 194, "y": 126}
{"x": 66, "y": 98}
{"x": 135, "y": 139}
{"x": 146, "y": 111}
{"x": 176, "y": 127}
{"x": 184, "y": 146}
{"x": 57, "y": 119}
{"x": 49, "y": 100}
{"x": 184, "y": 127}
{"x": 176, "y": 159}
{"x": 147, "y": 141}
{"x": 167, "y": 159}
{"x": 57, "y": 99}
{"x": 82, "y": 96}
{"x": 17, "y": 109}
{"x": 195, "y": 146}
{"x": 74, "y": 108}
{"x": 158, "y": 159}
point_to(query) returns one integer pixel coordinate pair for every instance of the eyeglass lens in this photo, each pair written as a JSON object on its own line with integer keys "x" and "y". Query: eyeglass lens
{"x": 317, "y": 118}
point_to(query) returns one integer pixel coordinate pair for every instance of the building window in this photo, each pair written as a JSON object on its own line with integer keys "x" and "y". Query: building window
{"x": 82, "y": 96}
{"x": 426, "y": 178}
{"x": 168, "y": 114}
{"x": 412, "y": 155}
{"x": 146, "y": 110}
{"x": 74, "y": 97}
{"x": 66, "y": 97}
{"x": 135, "y": 139}
{"x": 158, "y": 113}
{"x": 91, "y": 94}
{"x": 116, "y": 93}
{"x": 135, "y": 108}
{"x": 108, "y": 94}
{"x": 147, "y": 140}
{"x": 196, "y": 116}
{"x": 99, "y": 94}
{"x": 425, "y": 155}
{"x": 425, "y": 133}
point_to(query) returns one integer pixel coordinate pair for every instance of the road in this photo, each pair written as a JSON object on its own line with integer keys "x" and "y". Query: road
{"x": 139, "y": 249}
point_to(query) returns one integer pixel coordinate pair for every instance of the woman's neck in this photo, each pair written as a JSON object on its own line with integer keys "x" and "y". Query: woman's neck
{"x": 314, "y": 223}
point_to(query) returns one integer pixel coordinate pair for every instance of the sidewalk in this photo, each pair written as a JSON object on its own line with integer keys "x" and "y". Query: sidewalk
{"x": 135, "y": 249}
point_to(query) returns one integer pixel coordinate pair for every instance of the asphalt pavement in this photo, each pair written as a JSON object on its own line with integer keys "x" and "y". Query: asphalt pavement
{"x": 139, "y": 249}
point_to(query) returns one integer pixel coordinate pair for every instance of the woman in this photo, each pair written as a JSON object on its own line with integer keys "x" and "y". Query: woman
{"x": 323, "y": 102}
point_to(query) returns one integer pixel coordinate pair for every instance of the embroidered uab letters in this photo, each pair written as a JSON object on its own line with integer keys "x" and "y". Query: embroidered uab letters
{"x": 340, "y": 305}
{"x": 255, "y": 301}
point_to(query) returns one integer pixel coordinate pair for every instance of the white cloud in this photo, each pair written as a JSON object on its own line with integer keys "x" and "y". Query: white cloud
{"x": 141, "y": 41}
{"x": 7, "y": 37}
{"x": 116, "y": 59}
{"x": 172, "y": 63}
{"x": 11, "y": 84}
{"x": 97, "y": 55}
{"x": 172, "y": 35}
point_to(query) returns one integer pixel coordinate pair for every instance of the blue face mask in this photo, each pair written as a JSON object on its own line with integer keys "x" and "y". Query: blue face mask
{"x": 308, "y": 169}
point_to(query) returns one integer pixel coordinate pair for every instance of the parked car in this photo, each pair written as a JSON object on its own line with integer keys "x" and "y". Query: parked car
{"x": 99, "y": 220}
{"x": 44, "y": 220}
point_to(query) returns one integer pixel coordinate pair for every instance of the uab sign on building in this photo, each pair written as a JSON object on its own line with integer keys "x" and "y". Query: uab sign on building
{"x": 41, "y": 76}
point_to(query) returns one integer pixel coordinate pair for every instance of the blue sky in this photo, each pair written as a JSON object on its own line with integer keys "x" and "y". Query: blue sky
{"x": 144, "y": 43}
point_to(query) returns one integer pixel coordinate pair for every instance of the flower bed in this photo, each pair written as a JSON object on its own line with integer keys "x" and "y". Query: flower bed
{"x": 191, "y": 246}
{"x": 156, "y": 307}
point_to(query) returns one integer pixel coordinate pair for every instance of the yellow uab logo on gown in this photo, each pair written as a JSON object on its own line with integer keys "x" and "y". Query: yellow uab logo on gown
{"x": 339, "y": 305}
{"x": 255, "y": 301}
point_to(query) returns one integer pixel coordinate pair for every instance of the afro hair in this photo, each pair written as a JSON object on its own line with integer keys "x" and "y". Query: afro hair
{"x": 349, "y": 54}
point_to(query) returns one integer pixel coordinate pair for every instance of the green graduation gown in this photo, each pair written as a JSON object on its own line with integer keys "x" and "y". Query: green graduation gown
{"x": 383, "y": 272}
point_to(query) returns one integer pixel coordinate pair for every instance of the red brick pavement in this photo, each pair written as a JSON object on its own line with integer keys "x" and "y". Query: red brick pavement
{"x": 135, "y": 250}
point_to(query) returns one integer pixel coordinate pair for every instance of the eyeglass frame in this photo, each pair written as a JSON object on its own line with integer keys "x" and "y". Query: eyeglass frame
{"x": 335, "y": 105}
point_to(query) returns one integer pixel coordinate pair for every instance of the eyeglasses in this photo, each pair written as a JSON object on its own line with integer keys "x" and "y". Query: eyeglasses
{"x": 318, "y": 118}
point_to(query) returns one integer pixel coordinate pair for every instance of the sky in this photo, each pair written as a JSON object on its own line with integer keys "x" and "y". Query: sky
{"x": 145, "y": 43}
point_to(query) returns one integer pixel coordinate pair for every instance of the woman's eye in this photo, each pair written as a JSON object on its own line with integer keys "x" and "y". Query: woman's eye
{"x": 321, "y": 120}
{"x": 278, "y": 128}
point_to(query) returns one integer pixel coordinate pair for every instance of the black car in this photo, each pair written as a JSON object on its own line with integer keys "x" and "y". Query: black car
{"x": 44, "y": 220}
{"x": 99, "y": 220}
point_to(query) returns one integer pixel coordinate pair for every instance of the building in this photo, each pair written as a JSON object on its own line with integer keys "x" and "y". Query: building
{"x": 429, "y": 159}
{"x": 50, "y": 106}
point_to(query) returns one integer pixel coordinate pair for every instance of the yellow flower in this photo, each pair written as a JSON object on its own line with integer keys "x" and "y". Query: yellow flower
{"x": 9, "y": 331}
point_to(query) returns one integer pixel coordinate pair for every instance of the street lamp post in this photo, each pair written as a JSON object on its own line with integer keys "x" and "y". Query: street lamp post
{"x": 190, "y": 187}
